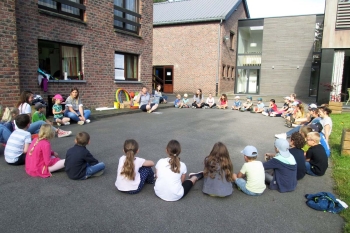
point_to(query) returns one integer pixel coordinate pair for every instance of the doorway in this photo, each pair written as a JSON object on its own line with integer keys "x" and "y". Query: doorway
{"x": 164, "y": 75}
{"x": 248, "y": 81}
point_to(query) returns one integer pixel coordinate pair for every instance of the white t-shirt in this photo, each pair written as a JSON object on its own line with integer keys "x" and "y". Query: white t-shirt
{"x": 24, "y": 109}
{"x": 168, "y": 184}
{"x": 255, "y": 173}
{"x": 210, "y": 100}
{"x": 124, "y": 184}
{"x": 326, "y": 121}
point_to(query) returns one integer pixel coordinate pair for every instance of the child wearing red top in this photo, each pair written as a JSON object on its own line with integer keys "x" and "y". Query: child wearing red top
{"x": 40, "y": 159}
{"x": 223, "y": 102}
{"x": 272, "y": 108}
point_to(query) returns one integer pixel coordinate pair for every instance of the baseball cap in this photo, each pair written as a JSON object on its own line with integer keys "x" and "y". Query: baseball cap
{"x": 39, "y": 105}
{"x": 185, "y": 95}
{"x": 259, "y": 99}
{"x": 317, "y": 127}
{"x": 237, "y": 97}
{"x": 249, "y": 97}
{"x": 283, "y": 147}
{"x": 250, "y": 151}
{"x": 312, "y": 106}
{"x": 58, "y": 97}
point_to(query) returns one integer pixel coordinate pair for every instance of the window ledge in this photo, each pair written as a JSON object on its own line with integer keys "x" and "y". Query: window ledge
{"x": 67, "y": 81}
{"x": 131, "y": 82}
{"x": 46, "y": 12}
{"x": 128, "y": 33}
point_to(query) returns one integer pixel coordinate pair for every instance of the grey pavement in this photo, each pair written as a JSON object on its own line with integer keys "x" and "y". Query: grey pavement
{"x": 58, "y": 204}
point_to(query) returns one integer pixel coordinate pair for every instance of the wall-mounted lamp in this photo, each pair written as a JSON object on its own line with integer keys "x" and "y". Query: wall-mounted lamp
{"x": 226, "y": 38}
{"x": 297, "y": 67}
{"x": 273, "y": 67}
{"x": 253, "y": 44}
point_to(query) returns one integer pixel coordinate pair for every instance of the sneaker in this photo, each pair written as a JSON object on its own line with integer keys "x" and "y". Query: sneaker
{"x": 265, "y": 113}
{"x": 67, "y": 123}
{"x": 62, "y": 133}
{"x": 87, "y": 121}
{"x": 281, "y": 135}
{"x": 294, "y": 125}
{"x": 58, "y": 124}
{"x": 199, "y": 175}
{"x": 99, "y": 173}
{"x": 81, "y": 122}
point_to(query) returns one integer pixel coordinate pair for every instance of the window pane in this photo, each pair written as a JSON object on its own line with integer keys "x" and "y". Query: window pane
{"x": 49, "y": 58}
{"x": 70, "y": 9}
{"x": 48, "y": 3}
{"x": 131, "y": 5}
{"x": 117, "y": 22}
{"x": 250, "y": 39}
{"x": 131, "y": 64}
{"x": 119, "y": 67}
{"x": 70, "y": 60}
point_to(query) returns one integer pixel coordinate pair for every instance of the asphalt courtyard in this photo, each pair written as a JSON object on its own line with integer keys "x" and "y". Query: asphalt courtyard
{"x": 58, "y": 204}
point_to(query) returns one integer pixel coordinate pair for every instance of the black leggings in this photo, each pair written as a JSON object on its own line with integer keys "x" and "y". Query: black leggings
{"x": 195, "y": 105}
{"x": 187, "y": 185}
{"x": 214, "y": 104}
{"x": 21, "y": 160}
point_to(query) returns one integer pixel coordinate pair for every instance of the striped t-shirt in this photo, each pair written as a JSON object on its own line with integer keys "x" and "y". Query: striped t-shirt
{"x": 15, "y": 145}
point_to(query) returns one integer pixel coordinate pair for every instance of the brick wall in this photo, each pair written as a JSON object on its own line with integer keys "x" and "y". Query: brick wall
{"x": 9, "y": 74}
{"x": 99, "y": 43}
{"x": 287, "y": 43}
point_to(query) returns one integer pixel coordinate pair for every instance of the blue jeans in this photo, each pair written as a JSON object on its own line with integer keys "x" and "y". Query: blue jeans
{"x": 294, "y": 130}
{"x": 308, "y": 169}
{"x": 35, "y": 127}
{"x": 4, "y": 134}
{"x": 241, "y": 183}
{"x": 74, "y": 117}
{"x": 91, "y": 170}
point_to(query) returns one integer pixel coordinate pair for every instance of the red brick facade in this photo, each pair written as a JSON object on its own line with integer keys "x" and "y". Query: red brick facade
{"x": 99, "y": 43}
{"x": 193, "y": 51}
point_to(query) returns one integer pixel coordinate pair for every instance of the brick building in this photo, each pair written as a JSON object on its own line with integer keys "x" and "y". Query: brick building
{"x": 194, "y": 44}
{"x": 97, "y": 46}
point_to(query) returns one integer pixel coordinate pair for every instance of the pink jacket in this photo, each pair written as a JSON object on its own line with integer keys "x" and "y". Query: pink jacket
{"x": 38, "y": 163}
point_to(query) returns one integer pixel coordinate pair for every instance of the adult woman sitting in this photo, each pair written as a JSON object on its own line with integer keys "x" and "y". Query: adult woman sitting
{"x": 23, "y": 106}
{"x": 74, "y": 108}
{"x": 158, "y": 94}
{"x": 144, "y": 98}
{"x": 326, "y": 121}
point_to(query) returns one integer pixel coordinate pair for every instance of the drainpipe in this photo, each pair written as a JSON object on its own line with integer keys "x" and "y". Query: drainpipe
{"x": 218, "y": 69}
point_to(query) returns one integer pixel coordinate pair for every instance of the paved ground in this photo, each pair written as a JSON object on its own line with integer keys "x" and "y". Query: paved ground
{"x": 58, "y": 204}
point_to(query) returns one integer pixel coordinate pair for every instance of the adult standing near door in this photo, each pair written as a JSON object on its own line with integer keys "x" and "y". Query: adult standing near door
{"x": 74, "y": 108}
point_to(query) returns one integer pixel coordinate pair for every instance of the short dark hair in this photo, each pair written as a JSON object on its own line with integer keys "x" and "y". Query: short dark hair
{"x": 298, "y": 140}
{"x": 82, "y": 138}
{"x": 272, "y": 100}
{"x": 22, "y": 120}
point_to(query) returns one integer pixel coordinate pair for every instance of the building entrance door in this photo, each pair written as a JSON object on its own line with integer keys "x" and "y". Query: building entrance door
{"x": 247, "y": 81}
{"x": 164, "y": 75}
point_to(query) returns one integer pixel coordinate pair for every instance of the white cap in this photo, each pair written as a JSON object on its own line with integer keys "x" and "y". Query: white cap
{"x": 237, "y": 97}
{"x": 185, "y": 95}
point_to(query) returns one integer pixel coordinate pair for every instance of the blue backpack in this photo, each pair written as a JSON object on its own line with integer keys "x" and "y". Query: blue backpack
{"x": 324, "y": 201}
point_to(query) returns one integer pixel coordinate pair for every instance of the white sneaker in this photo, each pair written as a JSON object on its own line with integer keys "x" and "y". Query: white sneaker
{"x": 281, "y": 135}
{"x": 62, "y": 133}
{"x": 265, "y": 113}
{"x": 87, "y": 121}
{"x": 67, "y": 123}
{"x": 80, "y": 122}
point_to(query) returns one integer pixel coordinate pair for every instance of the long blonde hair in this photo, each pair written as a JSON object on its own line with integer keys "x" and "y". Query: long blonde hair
{"x": 130, "y": 148}
{"x": 45, "y": 132}
{"x": 9, "y": 114}
{"x": 174, "y": 149}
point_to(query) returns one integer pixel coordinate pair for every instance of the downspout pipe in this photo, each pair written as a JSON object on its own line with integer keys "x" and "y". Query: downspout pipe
{"x": 218, "y": 68}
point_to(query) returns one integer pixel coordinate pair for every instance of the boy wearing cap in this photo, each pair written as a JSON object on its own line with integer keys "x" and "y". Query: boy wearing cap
{"x": 58, "y": 112}
{"x": 247, "y": 105}
{"x": 236, "y": 103}
{"x": 316, "y": 158}
{"x": 284, "y": 178}
{"x": 259, "y": 107}
{"x": 39, "y": 114}
{"x": 253, "y": 171}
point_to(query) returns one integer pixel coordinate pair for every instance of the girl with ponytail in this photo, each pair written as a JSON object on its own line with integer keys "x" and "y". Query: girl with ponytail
{"x": 133, "y": 172}
{"x": 171, "y": 183}
{"x": 40, "y": 159}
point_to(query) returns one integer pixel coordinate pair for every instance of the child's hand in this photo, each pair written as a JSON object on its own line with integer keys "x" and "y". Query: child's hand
{"x": 55, "y": 154}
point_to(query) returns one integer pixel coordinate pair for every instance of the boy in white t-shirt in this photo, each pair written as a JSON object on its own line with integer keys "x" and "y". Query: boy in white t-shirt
{"x": 253, "y": 171}
{"x": 18, "y": 142}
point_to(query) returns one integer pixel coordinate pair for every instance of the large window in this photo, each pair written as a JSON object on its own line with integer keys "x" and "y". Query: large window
{"x": 60, "y": 60}
{"x": 126, "y": 67}
{"x": 126, "y": 15}
{"x": 74, "y": 8}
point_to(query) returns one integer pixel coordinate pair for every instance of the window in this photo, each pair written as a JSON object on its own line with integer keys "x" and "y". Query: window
{"x": 223, "y": 71}
{"x": 228, "y": 72}
{"x": 73, "y": 8}
{"x": 231, "y": 40}
{"x": 126, "y": 15}
{"x": 126, "y": 67}
{"x": 58, "y": 59}
{"x": 232, "y": 72}
{"x": 343, "y": 14}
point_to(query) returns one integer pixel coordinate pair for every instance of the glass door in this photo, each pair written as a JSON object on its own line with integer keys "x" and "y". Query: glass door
{"x": 247, "y": 81}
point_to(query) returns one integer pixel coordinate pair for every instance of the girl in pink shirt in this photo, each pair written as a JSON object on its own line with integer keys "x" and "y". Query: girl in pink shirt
{"x": 40, "y": 159}
{"x": 223, "y": 102}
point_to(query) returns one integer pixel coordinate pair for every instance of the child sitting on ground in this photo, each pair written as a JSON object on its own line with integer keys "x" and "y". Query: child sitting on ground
{"x": 218, "y": 172}
{"x": 80, "y": 164}
{"x": 259, "y": 107}
{"x": 178, "y": 102}
{"x": 40, "y": 159}
{"x": 185, "y": 101}
{"x": 247, "y": 105}
{"x": 39, "y": 114}
{"x": 223, "y": 102}
{"x": 316, "y": 158}
{"x": 133, "y": 172}
{"x": 8, "y": 118}
{"x": 297, "y": 142}
{"x": 57, "y": 111}
{"x": 18, "y": 142}
{"x": 210, "y": 102}
{"x": 284, "y": 177}
{"x": 282, "y": 110}
{"x": 253, "y": 171}
{"x": 171, "y": 183}
{"x": 236, "y": 103}
{"x": 272, "y": 108}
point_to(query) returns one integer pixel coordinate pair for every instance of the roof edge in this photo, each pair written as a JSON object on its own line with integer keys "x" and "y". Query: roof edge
{"x": 246, "y": 8}
{"x": 189, "y": 21}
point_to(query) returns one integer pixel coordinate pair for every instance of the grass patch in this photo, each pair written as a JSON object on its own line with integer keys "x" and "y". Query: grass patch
{"x": 341, "y": 164}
